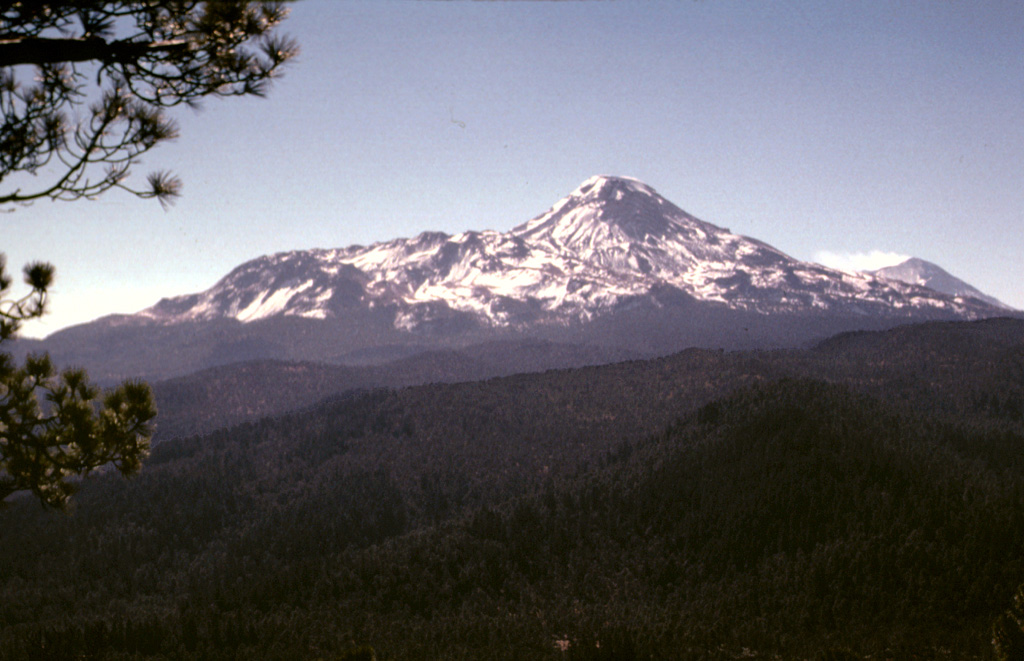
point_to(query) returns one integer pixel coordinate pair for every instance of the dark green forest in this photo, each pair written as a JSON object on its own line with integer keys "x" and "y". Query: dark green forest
{"x": 860, "y": 499}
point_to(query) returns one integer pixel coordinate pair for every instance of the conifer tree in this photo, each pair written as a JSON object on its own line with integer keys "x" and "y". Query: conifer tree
{"x": 85, "y": 86}
{"x": 118, "y": 66}
{"x": 45, "y": 446}
{"x": 1008, "y": 630}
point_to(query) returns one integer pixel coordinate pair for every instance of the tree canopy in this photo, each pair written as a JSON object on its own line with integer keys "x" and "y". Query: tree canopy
{"x": 45, "y": 448}
{"x": 84, "y": 90}
{"x": 85, "y": 84}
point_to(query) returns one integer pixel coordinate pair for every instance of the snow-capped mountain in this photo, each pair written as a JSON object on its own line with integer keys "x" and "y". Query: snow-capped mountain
{"x": 611, "y": 270}
{"x": 612, "y": 243}
{"x": 926, "y": 274}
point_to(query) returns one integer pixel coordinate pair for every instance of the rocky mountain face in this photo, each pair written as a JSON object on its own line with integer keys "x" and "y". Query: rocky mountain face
{"x": 612, "y": 265}
{"x": 920, "y": 272}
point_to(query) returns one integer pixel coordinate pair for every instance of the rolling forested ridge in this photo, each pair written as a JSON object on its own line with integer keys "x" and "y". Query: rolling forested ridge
{"x": 860, "y": 499}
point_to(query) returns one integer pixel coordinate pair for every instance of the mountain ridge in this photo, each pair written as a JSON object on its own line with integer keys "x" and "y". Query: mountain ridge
{"x": 869, "y": 490}
{"x": 609, "y": 242}
{"x": 927, "y": 274}
{"x": 613, "y": 265}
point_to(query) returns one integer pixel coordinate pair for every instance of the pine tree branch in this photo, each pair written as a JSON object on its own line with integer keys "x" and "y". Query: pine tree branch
{"x": 39, "y": 50}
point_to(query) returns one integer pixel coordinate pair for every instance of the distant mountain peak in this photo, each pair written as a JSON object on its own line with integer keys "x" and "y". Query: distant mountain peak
{"x": 917, "y": 271}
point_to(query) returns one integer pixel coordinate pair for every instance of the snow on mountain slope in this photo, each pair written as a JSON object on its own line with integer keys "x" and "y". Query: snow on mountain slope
{"x": 926, "y": 274}
{"x": 612, "y": 242}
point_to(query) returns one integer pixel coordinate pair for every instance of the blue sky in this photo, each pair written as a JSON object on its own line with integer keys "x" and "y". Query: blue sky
{"x": 832, "y": 131}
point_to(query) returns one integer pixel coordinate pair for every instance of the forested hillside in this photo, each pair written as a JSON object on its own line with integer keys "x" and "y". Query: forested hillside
{"x": 230, "y": 394}
{"x": 861, "y": 499}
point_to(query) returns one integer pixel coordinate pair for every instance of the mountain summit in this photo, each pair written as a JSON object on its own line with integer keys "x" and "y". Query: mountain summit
{"x": 624, "y": 225}
{"x": 612, "y": 269}
{"x": 613, "y": 242}
{"x": 926, "y": 274}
